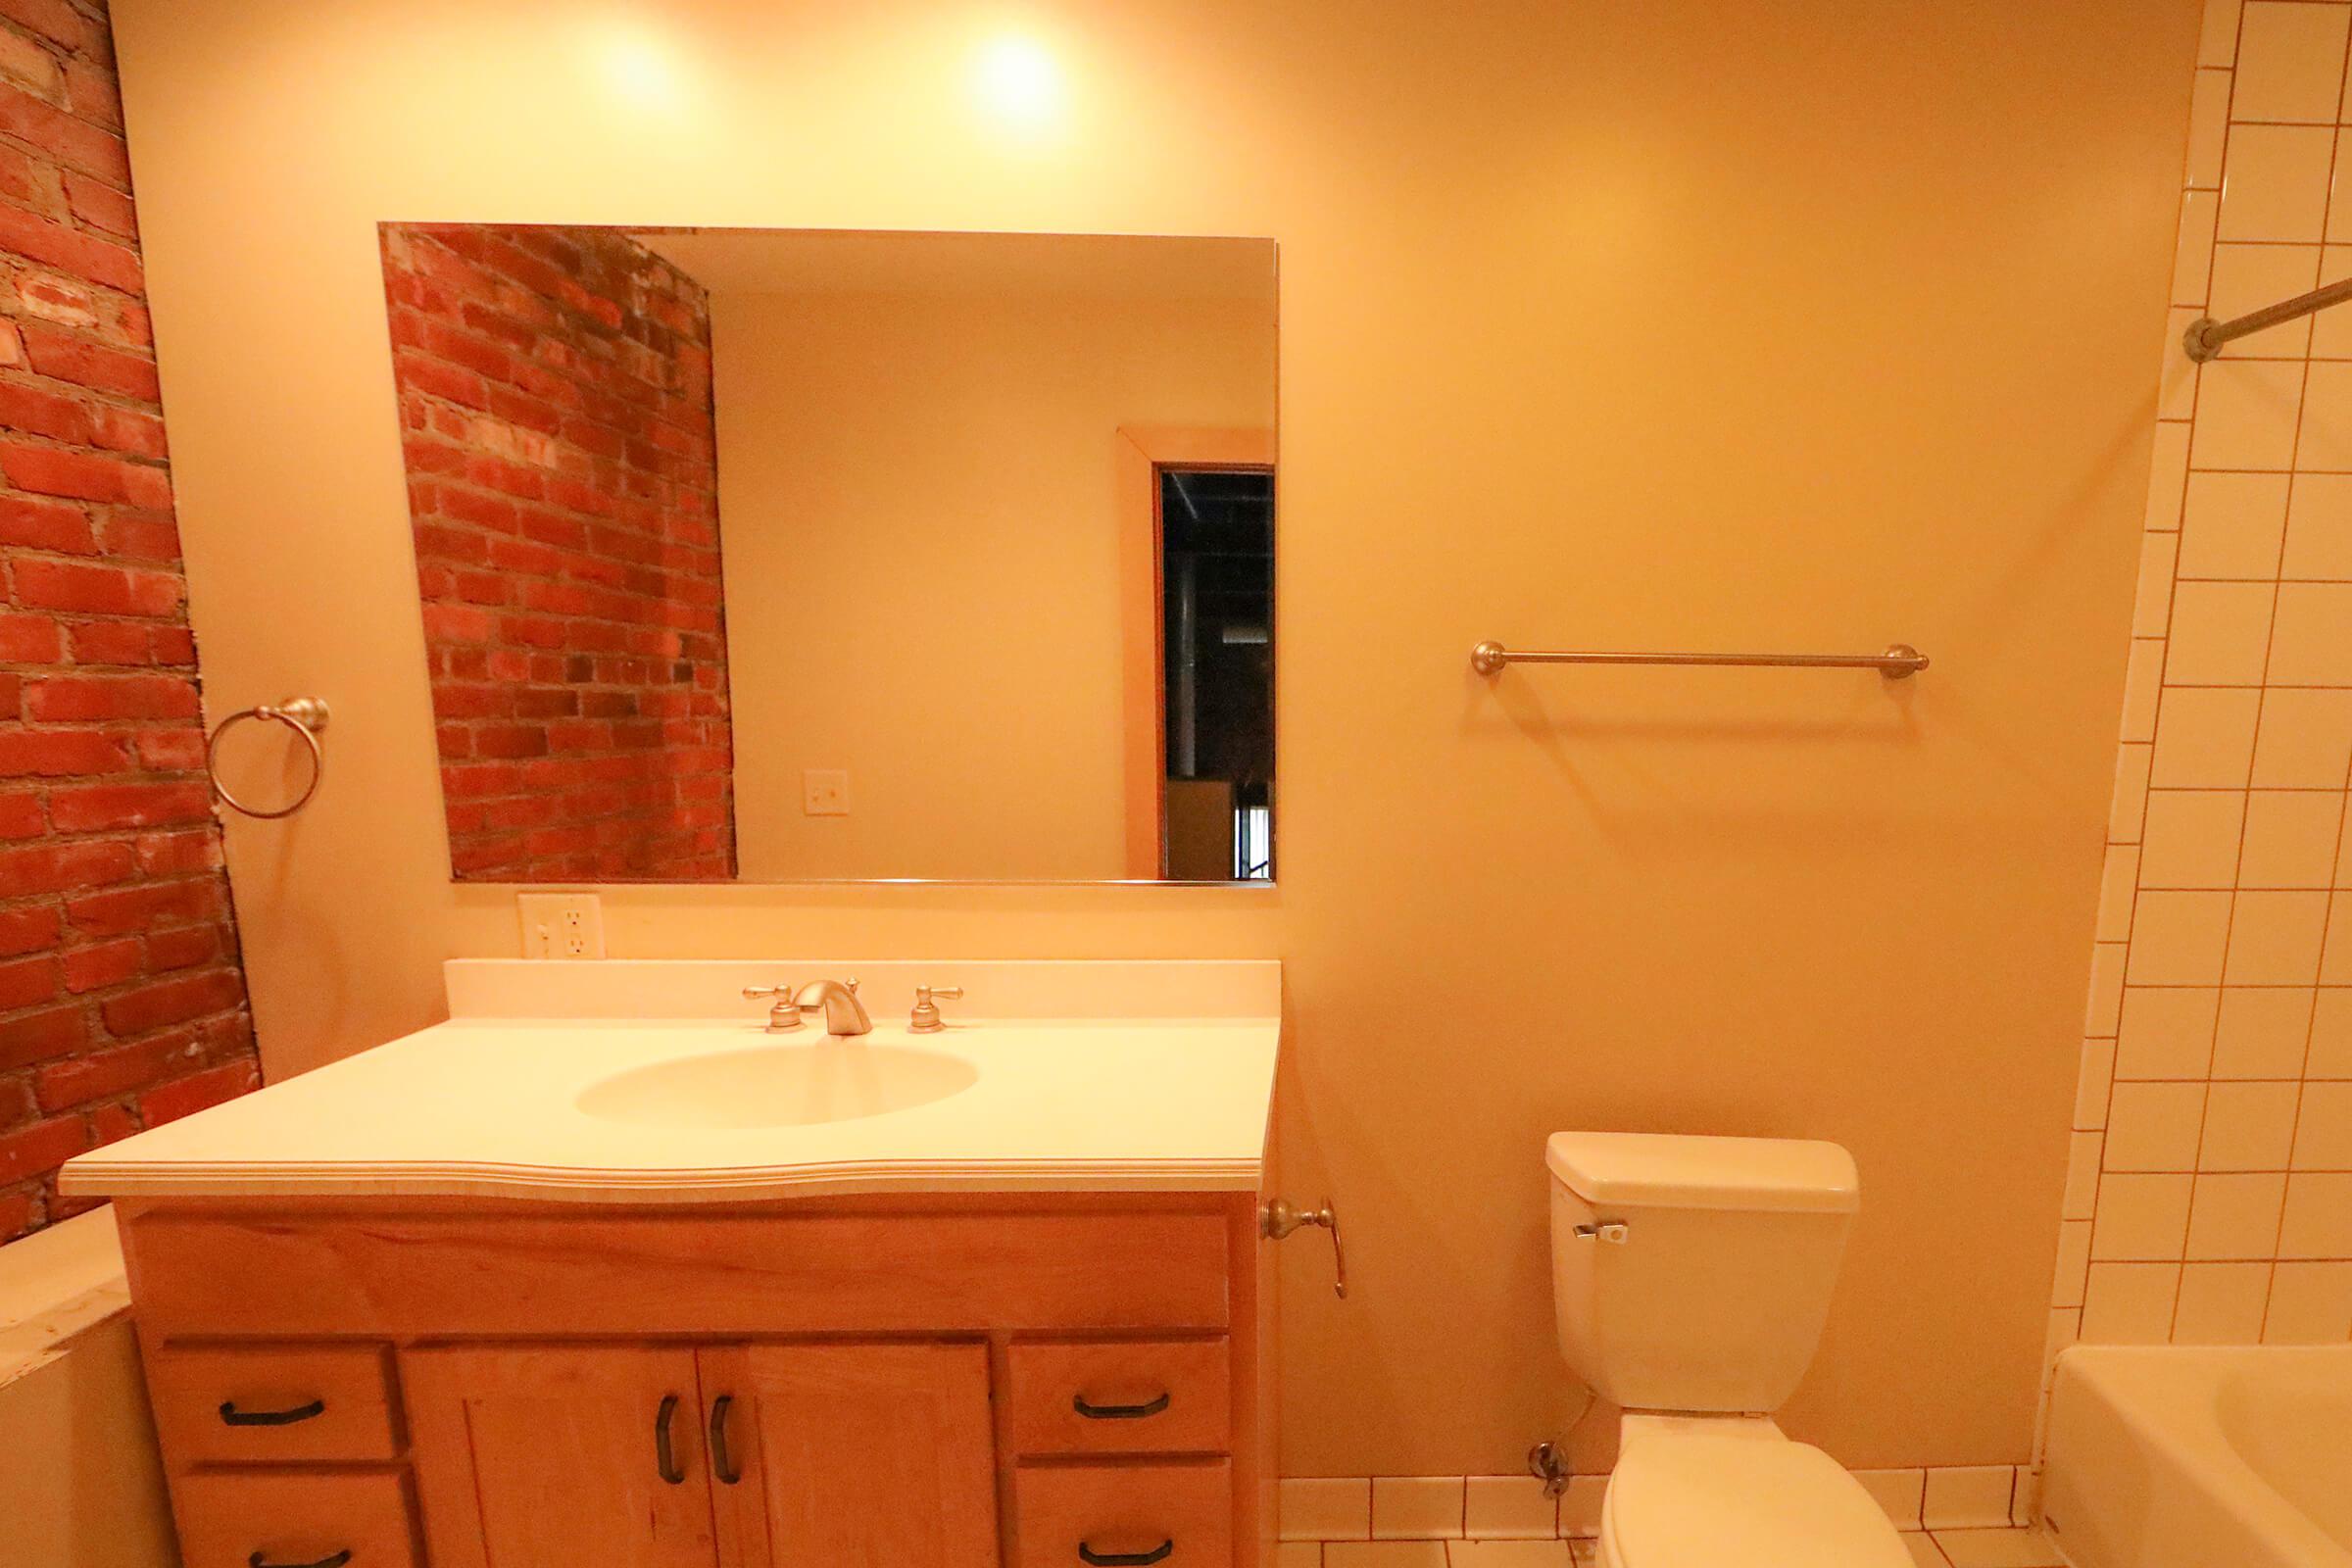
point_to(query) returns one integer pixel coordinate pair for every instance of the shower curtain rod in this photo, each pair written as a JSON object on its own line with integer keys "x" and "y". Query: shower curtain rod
{"x": 2205, "y": 336}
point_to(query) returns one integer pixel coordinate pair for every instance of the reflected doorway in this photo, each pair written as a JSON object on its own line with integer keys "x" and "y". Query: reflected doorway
{"x": 1216, "y": 573}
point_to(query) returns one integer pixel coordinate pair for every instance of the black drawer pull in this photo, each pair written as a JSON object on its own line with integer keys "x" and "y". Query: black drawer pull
{"x": 1117, "y": 1412}
{"x": 332, "y": 1560}
{"x": 666, "y": 1462}
{"x": 1125, "y": 1559}
{"x": 230, "y": 1415}
{"x": 721, "y": 1465}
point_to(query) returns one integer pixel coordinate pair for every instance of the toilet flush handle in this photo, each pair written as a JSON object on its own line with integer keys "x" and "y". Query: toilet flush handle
{"x": 1613, "y": 1230}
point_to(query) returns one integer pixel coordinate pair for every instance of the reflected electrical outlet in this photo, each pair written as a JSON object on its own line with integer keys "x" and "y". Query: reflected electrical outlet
{"x": 825, "y": 792}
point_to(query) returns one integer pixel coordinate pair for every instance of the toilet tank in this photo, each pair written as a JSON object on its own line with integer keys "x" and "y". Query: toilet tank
{"x": 1694, "y": 1274}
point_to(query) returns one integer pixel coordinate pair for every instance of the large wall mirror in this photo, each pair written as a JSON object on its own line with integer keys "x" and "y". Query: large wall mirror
{"x": 785, "y": 554}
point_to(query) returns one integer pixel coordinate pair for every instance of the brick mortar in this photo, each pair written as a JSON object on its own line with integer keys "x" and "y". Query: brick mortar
{"x": 122, "y": 1000}
{"x": 555, "y": 398}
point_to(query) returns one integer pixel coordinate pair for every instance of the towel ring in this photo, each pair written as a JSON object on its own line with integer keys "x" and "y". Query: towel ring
{"x": 306, "y": 716}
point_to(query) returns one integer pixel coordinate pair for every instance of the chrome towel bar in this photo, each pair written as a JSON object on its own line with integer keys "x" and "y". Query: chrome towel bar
{"x": 1900, "y": 661}
{"x": 2206, "y": 336}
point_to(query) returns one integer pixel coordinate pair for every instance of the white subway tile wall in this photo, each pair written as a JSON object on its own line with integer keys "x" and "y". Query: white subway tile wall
{"x": 1508, "y": 1507}
{"x": 1418, "y": 1507}
{"x": 2209, "y": 1189}
{"x": 1326, "y": 1508}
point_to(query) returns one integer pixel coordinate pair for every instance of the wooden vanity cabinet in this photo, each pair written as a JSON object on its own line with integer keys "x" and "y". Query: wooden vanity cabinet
{"x": 856, "y": 1454}
{"x": 1037, "y": 1383}
{"x": 518, "y": 1447}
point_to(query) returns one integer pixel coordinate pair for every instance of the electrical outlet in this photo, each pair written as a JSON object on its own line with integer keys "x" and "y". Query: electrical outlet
{"x": 825, "y": 792}
{"x": 561, "y": 925}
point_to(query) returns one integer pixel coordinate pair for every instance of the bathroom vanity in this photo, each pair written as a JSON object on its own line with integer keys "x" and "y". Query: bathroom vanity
{"x": 601, "y": 1291}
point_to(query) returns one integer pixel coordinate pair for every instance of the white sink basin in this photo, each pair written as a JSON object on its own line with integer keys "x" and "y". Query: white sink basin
{"x": 778, "y": 1086}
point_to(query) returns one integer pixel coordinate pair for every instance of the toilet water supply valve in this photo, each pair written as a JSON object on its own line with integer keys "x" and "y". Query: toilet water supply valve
{"x": 1548, "y": 1461}
{"x": 1547, "y": 1464}
{"x": 1279, "y": 1218}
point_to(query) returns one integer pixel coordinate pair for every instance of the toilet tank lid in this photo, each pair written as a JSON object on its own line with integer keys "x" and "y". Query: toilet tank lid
{"x": 1668, "y": 1170}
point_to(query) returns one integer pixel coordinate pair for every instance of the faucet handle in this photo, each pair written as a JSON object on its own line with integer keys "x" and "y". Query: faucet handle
{"x": 782, "y": 1016}
{"x": 926, "y": 1019}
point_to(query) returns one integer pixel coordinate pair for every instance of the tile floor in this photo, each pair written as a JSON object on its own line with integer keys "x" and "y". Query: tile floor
{"x": 1950, "y": 1516}
{"x": 1992, "y": 1548}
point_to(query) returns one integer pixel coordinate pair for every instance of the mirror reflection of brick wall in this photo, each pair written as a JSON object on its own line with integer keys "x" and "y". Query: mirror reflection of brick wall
{"x": 555, "y": 402}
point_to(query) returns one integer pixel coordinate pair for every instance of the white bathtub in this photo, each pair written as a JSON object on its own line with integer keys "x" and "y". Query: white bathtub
{"x": 2180, "y": 1456}
{"x": 80, "y": 1482}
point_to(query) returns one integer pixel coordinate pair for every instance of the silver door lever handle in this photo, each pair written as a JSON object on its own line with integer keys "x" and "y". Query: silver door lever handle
{"x": 1279, "y": 1218}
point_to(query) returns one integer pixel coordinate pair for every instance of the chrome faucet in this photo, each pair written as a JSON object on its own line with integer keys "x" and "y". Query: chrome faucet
{"x": 845, "y": 1014}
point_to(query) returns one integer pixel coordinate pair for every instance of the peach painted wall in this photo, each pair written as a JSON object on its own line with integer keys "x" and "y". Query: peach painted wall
{"x": 923, "y": 558}
{"x": 1664, "y": 324}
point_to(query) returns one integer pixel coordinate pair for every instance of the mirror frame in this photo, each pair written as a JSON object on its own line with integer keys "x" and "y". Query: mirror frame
{"x": 1142, "y": 451}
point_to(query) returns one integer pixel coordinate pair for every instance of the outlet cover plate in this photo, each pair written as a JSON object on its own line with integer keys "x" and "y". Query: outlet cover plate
{"x": 825, "y": 792}
{"x": 561, "y": 925}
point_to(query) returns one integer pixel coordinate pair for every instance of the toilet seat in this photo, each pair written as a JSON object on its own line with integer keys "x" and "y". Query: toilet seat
{"x": 1700, "y": 1501}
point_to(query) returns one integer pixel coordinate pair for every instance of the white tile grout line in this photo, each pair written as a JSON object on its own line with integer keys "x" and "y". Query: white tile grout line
{"x": 2022, "y": 1479}
{"x": 2070, "y": 1320}
{"x": 1576, "y": 1551}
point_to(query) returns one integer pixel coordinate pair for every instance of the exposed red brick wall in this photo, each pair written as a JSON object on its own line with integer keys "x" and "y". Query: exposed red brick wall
{"x": 554, "y": 400}
{"x": 122, "y": 1003}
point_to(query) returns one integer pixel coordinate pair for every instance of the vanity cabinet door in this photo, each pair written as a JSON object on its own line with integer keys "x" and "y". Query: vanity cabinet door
{"x": 847, "y": 1455}
{"x": 534, "y": 1456}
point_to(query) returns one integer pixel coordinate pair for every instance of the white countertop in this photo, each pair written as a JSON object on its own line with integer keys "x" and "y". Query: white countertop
{"x": 486, "y": 1106}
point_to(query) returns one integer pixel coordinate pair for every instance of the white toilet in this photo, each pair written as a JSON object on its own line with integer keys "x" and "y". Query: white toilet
{"x": 1691, "y": 1278}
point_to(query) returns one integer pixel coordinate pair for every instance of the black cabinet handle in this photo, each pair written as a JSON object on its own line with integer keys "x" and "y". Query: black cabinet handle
{"x": 666, "y": 1462}
{"x": 1125, "y": 1559}
{"x": 721, "y": 1464}
{"x": 230, "y": 1415}
{"x": 332, "y": 1560}
{"x": 1117, "y": 1412}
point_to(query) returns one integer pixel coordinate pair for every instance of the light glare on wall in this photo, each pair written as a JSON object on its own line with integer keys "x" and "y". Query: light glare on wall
{"x": 1018, "y": 80}
{"x": 640, "y": 70}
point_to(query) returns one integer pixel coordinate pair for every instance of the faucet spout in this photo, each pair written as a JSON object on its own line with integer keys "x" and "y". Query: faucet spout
{"x": 845, "y": 1014}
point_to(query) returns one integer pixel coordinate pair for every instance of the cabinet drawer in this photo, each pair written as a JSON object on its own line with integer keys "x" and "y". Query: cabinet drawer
{"x": 513, "y": 1275}
{"x": 242, "y": 1404}
{"x": 1103, "y": 1516}
{"x": 1137, "y": 1397}
{"x": 239, "y": 1519}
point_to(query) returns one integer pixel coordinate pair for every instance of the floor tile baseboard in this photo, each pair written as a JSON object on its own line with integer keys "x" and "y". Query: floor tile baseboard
{"x": 1348, "y": 1508}
{"x": 1987, "y": 1546}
